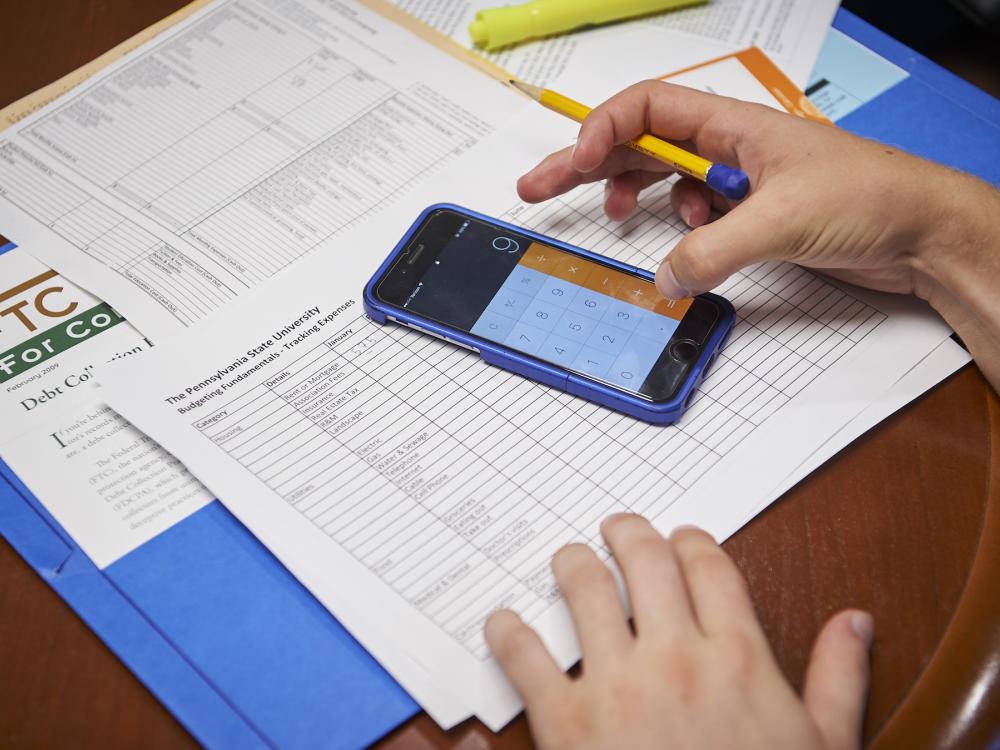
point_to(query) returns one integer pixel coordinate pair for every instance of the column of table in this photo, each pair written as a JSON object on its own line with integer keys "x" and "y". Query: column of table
{"x": 479, "y": 483}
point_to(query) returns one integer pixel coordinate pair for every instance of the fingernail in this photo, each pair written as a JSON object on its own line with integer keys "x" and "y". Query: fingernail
{"x": 685, "y": 211}
{"x": 667, "y": 283}
{"x": 607, "y": 190}
{"x": 863, "y": 625}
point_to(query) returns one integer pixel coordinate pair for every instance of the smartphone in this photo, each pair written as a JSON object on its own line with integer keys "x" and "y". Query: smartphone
{"x": 549, "y": 311}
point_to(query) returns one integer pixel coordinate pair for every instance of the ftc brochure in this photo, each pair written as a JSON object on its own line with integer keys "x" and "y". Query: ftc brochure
{"x": 111, "y": 487}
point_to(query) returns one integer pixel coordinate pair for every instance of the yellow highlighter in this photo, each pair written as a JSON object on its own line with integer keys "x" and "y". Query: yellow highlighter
{"x": 499, "y": 27}
{"x": 731, "y": 182}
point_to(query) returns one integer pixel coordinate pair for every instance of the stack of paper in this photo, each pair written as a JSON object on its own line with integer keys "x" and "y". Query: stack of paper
{"x": 230, "y": 187}
{"x": 791, "y": 32}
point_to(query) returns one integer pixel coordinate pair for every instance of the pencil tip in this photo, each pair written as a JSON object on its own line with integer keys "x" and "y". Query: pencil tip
{"x": 535, "y": 92}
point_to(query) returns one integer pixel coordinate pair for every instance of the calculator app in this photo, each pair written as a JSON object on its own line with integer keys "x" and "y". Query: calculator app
{"x": 549, "y": 303}
{"x": 581, "y": 315}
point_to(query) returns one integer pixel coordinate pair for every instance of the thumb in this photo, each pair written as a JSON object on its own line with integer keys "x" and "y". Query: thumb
{"x": 710, "y": 254}
{"x": 837, "y": 678}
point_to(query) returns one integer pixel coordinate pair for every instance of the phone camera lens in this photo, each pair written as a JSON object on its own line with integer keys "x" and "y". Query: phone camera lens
{"x": 684, "y": 350}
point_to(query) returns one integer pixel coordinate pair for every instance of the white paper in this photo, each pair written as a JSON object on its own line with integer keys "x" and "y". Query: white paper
{"x": 944, "y": 361}
{"x": 728, "y": 75}
{"x": 791, "y": 32}
{"x": 230, "y": 146}
{"x": 108, "y": 485}
{"x": 436, "y": 487}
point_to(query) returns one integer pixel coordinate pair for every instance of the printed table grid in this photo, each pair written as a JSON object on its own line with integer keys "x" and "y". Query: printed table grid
{"x": 454, "y": 482}
{"x": 438, "y": 488}
{"x": 249, "y": 173}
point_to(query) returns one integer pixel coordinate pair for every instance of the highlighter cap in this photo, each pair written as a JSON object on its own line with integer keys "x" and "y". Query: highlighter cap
{"x": 500, "y": 27}
{"x": 478, "y": 31}
{"x": 506, "y": 25}
{"x": 731, "y": 182}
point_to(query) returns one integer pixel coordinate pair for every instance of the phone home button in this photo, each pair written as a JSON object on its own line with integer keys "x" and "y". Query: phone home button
{"x": 684, "y": 350}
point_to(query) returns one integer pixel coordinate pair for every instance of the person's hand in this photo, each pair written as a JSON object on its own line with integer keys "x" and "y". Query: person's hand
{"x": 856, "y": 209}
{"x": 697, "y": 671}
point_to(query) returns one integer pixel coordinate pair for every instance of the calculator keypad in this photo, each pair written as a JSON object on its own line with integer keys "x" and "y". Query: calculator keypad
{"x": 558, "y": 315}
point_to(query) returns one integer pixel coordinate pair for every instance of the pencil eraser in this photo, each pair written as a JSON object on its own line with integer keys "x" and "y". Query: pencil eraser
{"x": 729, "y": 181}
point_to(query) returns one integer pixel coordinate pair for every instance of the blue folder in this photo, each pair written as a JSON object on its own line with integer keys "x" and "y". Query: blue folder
{"x": 235, "y": 647}
{"x": 932, "y": 112}
{"x": 223, "y": 635}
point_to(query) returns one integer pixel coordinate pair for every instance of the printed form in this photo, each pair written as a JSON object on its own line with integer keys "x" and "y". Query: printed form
{"x": 229, "y": 147}
{"x": 791, "y": 32}
{"x": 415, "y": 489}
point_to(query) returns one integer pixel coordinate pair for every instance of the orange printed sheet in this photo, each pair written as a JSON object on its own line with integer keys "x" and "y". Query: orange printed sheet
{"x": 749, "y": 75}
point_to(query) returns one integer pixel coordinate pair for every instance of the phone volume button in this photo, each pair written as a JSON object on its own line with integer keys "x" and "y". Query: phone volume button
{"x": 432, "y": 333}
{"x": 461, "y": 344}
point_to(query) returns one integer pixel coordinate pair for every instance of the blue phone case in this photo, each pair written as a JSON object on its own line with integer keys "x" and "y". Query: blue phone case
{"x": 657, "y": 412}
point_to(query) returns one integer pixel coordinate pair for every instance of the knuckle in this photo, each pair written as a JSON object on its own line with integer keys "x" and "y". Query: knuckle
{"x": 710, "y": 565}
{"x": 577, "y": 568}
{"x": 625, "y": 698}
{"x": 588, "y": 577}
{"x": 740, "y": 652}
{"x": 676, "y": 663}
{"x": 646, "y": 553}
{"x": 647, "y": 86}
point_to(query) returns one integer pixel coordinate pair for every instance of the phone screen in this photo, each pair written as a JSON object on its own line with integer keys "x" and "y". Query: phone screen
{"x": 541, "y": 300}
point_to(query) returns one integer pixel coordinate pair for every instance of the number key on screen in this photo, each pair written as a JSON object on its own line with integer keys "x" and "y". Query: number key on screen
{"x": 592, "y": 362}
{"x": 575, "y": 327}
{"x": 542, "y": 315}
{"x": 525, "y": 338}
{"x": 608, "y": 339}
{"x": 623, "y": 315}
{"x": 559, "y": 349}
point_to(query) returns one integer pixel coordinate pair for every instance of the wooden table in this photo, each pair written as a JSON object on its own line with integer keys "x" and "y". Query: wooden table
{"x": 901, "y": 523}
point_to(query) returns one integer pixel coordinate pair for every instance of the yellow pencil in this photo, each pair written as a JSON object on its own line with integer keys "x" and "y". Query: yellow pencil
{"x": 729, "y": 181}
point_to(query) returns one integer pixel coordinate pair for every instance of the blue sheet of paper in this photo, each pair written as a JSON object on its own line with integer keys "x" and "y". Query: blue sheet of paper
{"x": 848, "y": 75}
